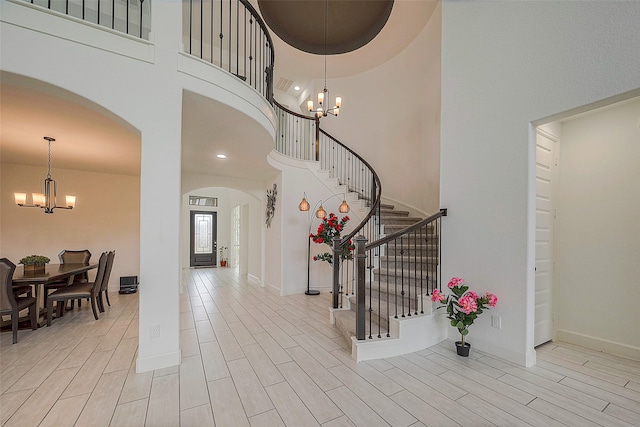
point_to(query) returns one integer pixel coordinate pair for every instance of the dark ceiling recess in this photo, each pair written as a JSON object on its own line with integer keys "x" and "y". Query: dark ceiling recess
{"x": 351, "y": 24}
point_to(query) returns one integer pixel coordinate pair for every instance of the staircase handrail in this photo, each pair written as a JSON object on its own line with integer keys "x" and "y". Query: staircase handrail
{"x": 409, "y": 229}
{"x": 375, "y": 196}
{"x": 425, "y": 273}
{"x": 377, "y": 188}
{"x": 293, "y": 113}
{"x": 370, "y": 190}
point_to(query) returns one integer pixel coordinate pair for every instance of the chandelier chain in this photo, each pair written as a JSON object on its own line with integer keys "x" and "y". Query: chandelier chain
{"x": 326, "y": 18}
{"x": 49, "y": 162}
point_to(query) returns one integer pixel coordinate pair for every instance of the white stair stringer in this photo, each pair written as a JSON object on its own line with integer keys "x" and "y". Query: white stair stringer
{"x": 408, "y": 335}
{"x": 356, "y": 204}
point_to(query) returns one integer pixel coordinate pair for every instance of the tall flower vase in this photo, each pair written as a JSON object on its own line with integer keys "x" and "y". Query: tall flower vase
{"x": 463, "y": 350}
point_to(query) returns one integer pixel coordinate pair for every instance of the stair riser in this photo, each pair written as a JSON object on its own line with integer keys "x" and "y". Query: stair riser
{"x": 411, "y": 252}
{"x": 383, "y": 320}
{"x": 420, "y": 233}
{"x": 394, "y": 302}
{"x": 407, "y": 261}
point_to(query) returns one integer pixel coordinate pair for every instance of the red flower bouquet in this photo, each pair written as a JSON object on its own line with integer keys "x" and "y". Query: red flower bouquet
{"x": 329, "y": 228}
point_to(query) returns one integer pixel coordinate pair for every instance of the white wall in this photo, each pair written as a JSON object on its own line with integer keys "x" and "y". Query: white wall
{"x": 598, "y": 224}
{"x": 106, "y": 217}
{"x": 274, "y": 258}
{"x": 297, "y": 179}
{"x": 504, "y": 65}
{"x": 391, "y": 117}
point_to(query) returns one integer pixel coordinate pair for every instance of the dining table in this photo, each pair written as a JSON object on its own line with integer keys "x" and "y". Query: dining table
{"x": 52, "y": 273}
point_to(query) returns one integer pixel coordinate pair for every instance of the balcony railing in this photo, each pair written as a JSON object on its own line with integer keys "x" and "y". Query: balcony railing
{"x": 131, "y": 17}
{"x": 231, "y": 35}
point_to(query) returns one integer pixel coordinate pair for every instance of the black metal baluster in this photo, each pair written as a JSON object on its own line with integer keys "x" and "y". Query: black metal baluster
{"x": 422, "y": 252}
{"x": 395, "y": 280}
{"x": 141, "y": 3}
{"x": 244, "y": 70}
{"x": 415, "y": 271}
{"x": 230, "y": 37}
{"x": 221, "y": 35}
{"x": 402, "y": 293}
{"x": 238, "y": 38}
{"x": 250, "y": 48}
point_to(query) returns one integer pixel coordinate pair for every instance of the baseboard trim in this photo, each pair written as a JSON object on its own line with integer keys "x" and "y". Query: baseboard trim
{"x": 408, "y": 335}
{"x": 600, "y": 344}
{"x": 146, "y": 364}
{"x": 254, "y": 279}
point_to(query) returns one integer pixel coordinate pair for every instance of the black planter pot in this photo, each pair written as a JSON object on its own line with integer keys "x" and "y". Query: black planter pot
{"x": 463, "y": 350}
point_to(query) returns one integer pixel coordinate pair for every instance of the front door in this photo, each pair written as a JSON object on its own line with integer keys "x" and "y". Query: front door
{"x": 203, "y": 239}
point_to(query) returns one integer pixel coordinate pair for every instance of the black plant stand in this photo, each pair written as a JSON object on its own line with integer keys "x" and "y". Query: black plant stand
{"x": 309, "y": 291}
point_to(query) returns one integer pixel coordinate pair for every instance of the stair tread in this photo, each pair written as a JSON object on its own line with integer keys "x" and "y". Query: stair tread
{"x": 346, "y": 323}
{"x": 393, "y": 213}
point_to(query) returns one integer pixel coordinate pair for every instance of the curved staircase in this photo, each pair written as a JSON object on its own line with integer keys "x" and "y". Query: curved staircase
{"x": 385, "y": 297}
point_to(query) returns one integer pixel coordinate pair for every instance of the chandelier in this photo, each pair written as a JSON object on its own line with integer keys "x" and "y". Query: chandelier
{"x": 323, "y": 97}
{"x": 47, "y": 199}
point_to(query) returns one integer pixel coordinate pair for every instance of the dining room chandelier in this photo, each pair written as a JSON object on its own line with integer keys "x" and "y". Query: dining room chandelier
{"x": 323, "y": 97}
{"x": 47, "y": 199}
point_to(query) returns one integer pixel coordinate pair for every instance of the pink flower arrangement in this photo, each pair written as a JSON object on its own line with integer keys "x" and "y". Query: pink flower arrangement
{"x": 463, "y": 305}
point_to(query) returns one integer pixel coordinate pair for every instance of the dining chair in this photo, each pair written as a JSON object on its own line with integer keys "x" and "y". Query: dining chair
{"x": 12, "y": 304}
{"x": 81, "y": 290}
{"x": 105, "y": 282}
{"x": 68, "y": 257}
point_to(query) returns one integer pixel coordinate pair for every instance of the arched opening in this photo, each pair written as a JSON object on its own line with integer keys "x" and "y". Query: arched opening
{"x": 96, "y": 157}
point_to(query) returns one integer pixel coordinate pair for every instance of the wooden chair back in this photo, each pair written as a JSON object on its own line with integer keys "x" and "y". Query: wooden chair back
{"x": 107, "y": 274}
{"x": 102, "y": 267}
{"x": 7, "y": 299}
{"x": 76, "y": 257}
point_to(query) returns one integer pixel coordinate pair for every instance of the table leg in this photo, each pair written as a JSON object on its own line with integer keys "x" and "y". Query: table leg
{"x": 41, "y": 311}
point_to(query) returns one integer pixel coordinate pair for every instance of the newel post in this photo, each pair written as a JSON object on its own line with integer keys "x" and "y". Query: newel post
{"x": 361, "y": 258}
{"x": 336, "y": 272}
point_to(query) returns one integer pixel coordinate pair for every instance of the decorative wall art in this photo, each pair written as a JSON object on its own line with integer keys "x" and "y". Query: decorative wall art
{"x": 271, "y": 204}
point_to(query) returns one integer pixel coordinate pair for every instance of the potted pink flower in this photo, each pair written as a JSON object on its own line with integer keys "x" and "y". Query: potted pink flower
{"x": 463, "y": 308}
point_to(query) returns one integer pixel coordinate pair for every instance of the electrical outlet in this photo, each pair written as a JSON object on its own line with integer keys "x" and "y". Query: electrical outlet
{"x": 154, "y": 331}
{"x": 496, "y": 322}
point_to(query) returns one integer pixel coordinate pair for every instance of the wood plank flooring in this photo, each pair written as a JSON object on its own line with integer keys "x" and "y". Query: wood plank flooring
{"x": 253, "y": 358}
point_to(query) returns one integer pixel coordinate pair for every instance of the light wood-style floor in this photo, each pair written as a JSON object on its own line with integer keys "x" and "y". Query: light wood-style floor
{"x": 250, "y": 357}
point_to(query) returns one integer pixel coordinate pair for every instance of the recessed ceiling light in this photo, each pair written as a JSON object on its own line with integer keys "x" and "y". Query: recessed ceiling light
{"x": 221, "y": 156}
{"x": 296, "y": 87}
